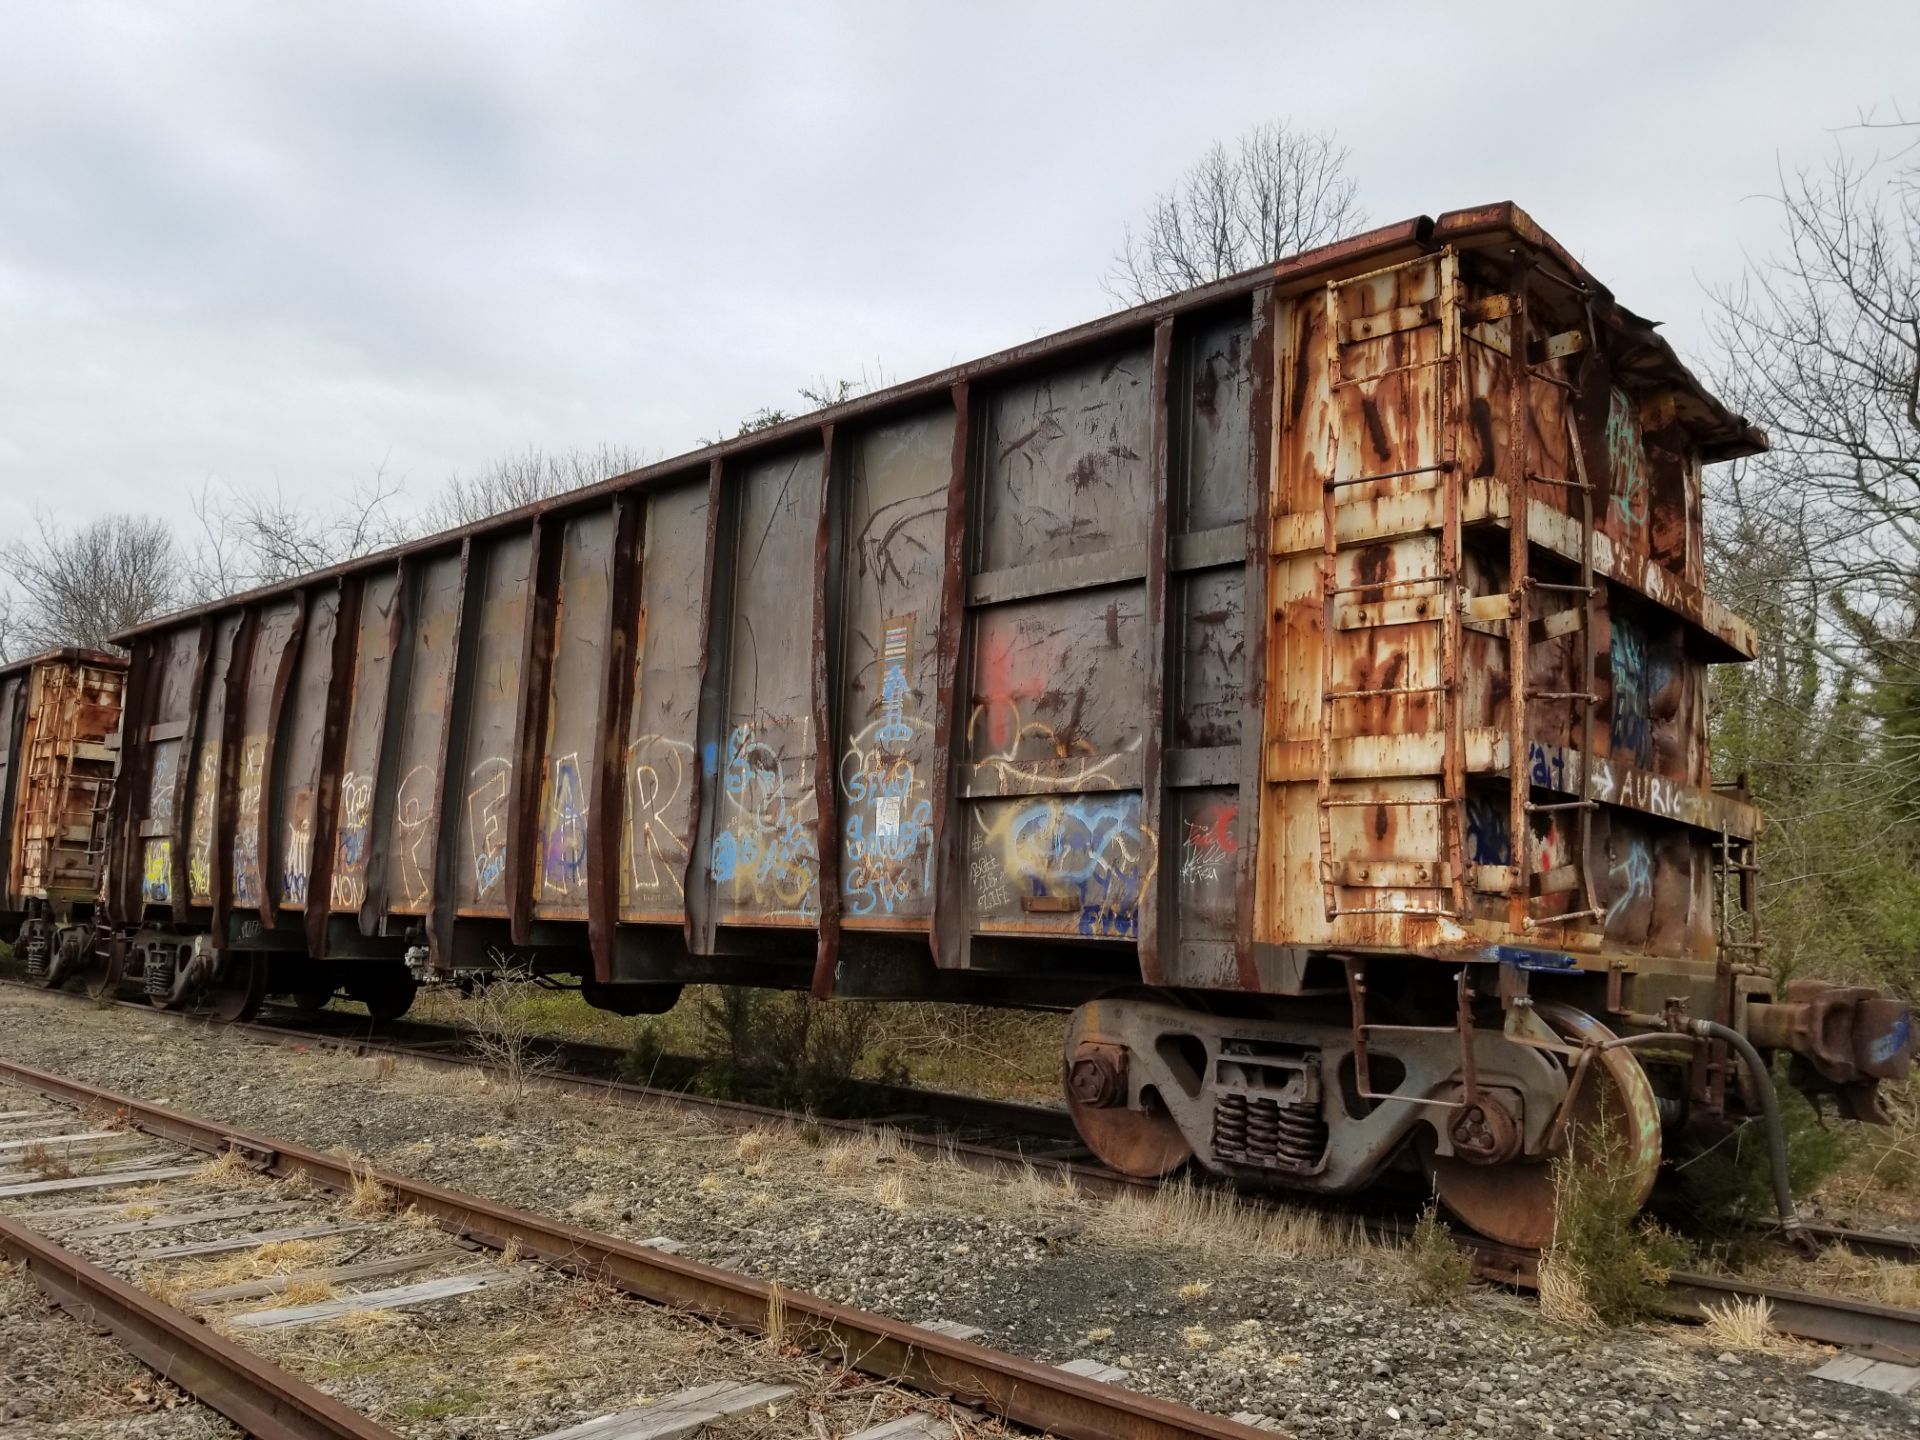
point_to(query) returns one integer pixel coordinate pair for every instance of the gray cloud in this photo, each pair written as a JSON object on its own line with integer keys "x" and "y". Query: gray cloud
{"x": 269, "y": 244}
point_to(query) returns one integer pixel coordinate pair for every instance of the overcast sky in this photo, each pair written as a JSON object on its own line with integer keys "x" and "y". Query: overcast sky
{"x": 280, "y": 244}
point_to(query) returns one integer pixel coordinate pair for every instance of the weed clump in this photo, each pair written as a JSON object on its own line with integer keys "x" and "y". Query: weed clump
{"x": 1607, "y": 1262}
{"x": 44, "y": 1163}
{"x": 368, "y": 1196}
{"x": 1439, "y": 1271}
{"x": 787, "y": 1049}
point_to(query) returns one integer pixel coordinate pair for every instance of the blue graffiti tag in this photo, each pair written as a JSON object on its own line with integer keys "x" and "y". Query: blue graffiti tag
{"x": 1627, "y": 460}
{"x": 1635, "y": 871}
{"x": 1631, "y": 726}
{"x": 1489, "y": 841}
{"x": 565, "y": 860}
{"x": 1091, "y": 847}
{"x": 767, "y": 850}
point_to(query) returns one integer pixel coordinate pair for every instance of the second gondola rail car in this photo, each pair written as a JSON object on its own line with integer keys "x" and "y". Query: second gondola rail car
{"x": 1304, "y": 676}
{"x": 59, "y": 746}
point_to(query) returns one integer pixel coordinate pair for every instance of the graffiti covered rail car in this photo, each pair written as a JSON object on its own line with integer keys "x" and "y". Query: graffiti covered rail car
{"x": 59, "y": 743}
{"x": 1304, "y": 675}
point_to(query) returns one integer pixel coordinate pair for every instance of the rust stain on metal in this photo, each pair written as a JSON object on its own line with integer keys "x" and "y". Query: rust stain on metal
{"x": 822, "y": 686}
{"x": 1157, "y": 919}
{"x": 226, "y": 776}
{"x": 614, "y": 714}
{"x": 327, "y": 784}
{"x": 530, "y": 718}
{"x": 950, "y": 906}
{"x": 267, "y": 818}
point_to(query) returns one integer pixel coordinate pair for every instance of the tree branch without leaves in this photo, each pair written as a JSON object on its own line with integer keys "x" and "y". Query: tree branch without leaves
{"x": 1277, "y": 192}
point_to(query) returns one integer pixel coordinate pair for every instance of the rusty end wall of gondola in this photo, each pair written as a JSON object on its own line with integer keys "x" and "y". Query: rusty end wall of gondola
{"x": 59, "y": 742}
{"x": 1177, "y": 649}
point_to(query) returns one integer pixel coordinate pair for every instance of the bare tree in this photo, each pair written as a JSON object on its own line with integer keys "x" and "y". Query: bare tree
{"x": 1821, "y": 347}
{"x": 253, "y": 537}
{"x": 81, "y": 586}
{"x": 1278, "y": 191}
{"x": 820, "y": 394}
{"x": 1818, "y": 542}
{"x": 524, "y": 477}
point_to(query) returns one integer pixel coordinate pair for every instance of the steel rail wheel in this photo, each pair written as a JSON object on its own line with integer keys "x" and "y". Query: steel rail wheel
{"x": 1514, "y": 1202}
{"x": 1143, "y": 1142}
{"x": 240, "y": 990}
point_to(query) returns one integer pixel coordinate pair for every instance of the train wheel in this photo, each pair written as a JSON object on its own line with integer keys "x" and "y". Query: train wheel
{"x": 1514, "y": 1202}
{"x": 72, "y": 954}
{"x": 105, "y": 969}
{"x": 308, "y": 1003}
{"x": 387, "y": 997}
{"x": 1132, "y": 1134}
{"x": 240, "y": 991}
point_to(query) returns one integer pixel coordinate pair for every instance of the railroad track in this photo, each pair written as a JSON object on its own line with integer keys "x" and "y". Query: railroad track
{"x": 998, "y": 1136}
{"x": 205, "y": 1189}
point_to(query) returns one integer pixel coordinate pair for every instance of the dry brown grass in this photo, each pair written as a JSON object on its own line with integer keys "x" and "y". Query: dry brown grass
{"x": 1563, "y": 1295}
{"x": 305, "y": 1290}
{"x": 890, "y": 1192}
{"x": 776, "y": 1326}
{"x": 1742, "y": 1324}
{"x": 419, "y": 1219}
{"x": 1211, "y": 1223}
{"x": 756, "y": 1145}
{"x": 228, "y": 1165}
{"x": 1841, "y": 1272}
{"x": 845, "y": 1160}
{"x": 369, "y": 1196}
{"x": 174, "y": 1283}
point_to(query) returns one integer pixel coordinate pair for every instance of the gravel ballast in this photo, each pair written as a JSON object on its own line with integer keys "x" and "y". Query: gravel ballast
{"x": 1326, "y": 1343}
{"x": 61, "y": 1380}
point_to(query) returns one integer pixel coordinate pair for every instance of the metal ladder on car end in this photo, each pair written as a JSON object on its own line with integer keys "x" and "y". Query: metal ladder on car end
{"x": 1523, "y": 630}
{"x": 1417, "y": 600}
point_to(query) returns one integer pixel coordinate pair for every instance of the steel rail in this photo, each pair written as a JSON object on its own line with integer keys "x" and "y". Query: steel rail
{"x": 1014, "y": 1387}
{"x": 1885, "y": 1332}
{"x": 255, "y": 1394}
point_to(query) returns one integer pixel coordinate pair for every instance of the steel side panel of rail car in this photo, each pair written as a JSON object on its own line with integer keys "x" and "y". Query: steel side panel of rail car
{"x": 1189, "y": 635}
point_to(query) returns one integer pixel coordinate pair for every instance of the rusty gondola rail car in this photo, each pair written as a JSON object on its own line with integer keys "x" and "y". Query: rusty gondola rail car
{"x": 59, "y": 748}
{"x": 1304, "y": 676}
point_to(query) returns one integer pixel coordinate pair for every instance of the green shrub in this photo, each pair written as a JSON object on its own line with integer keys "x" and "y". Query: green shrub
{"x": 785, "y": 1048}
{"x": 1602, "y": 1245}
{"x": 1729, "y": 1182}
{"x": 1439, "y": 1270}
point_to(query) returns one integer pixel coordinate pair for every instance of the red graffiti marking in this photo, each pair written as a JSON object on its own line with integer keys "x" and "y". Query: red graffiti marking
{"x": 1212, "y": 828}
